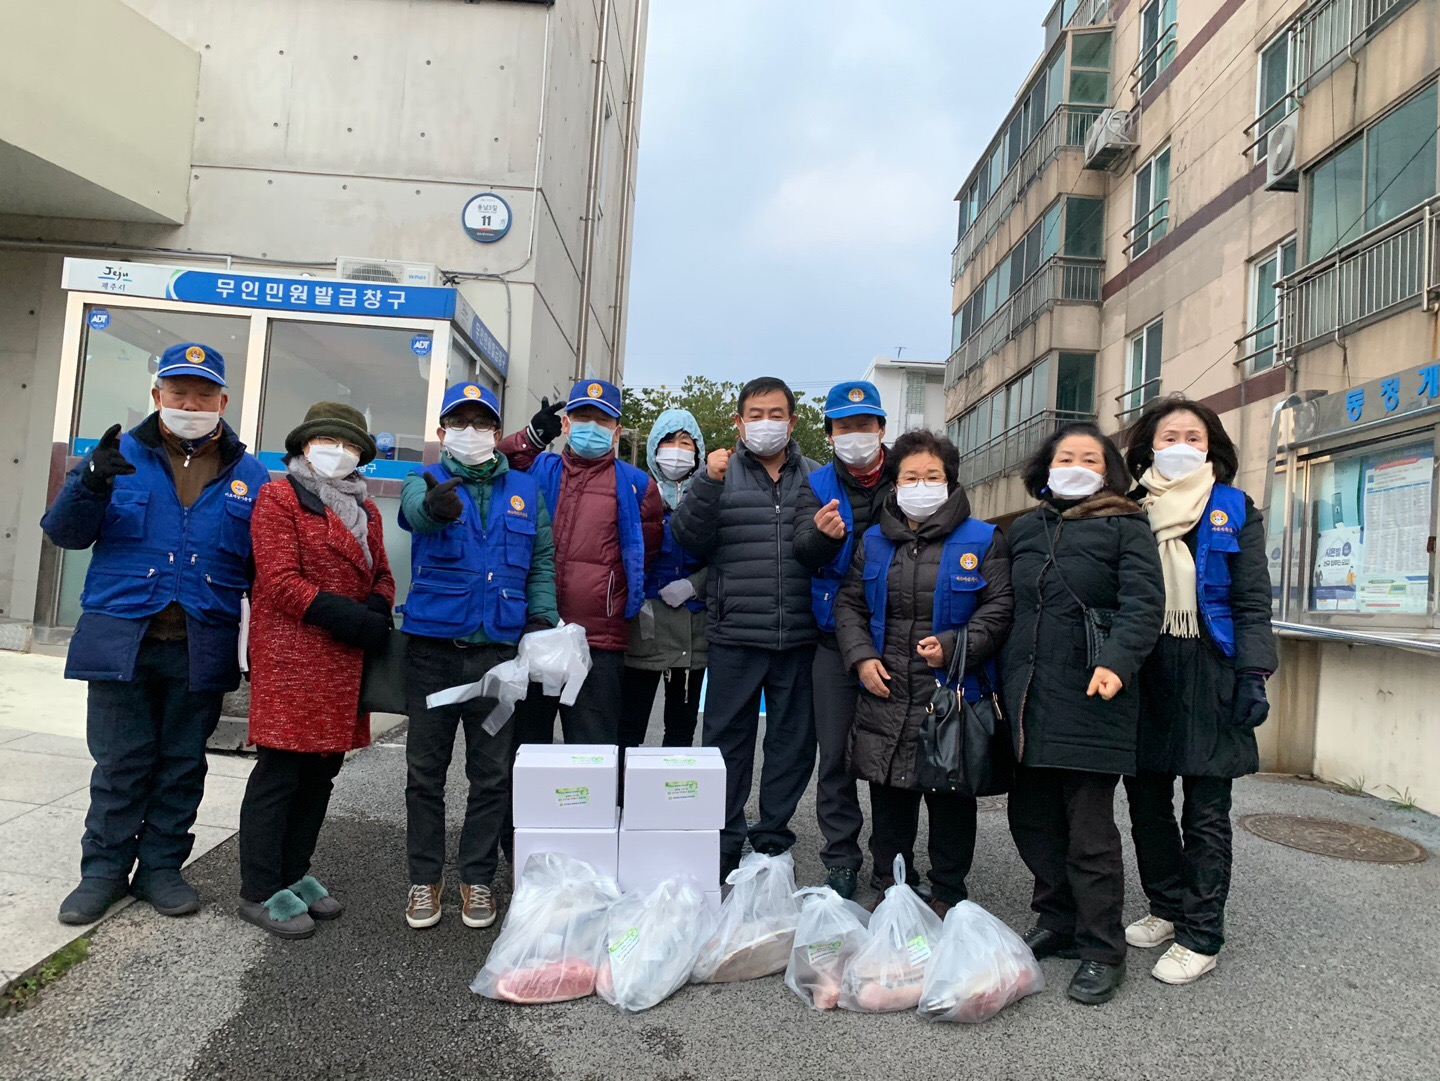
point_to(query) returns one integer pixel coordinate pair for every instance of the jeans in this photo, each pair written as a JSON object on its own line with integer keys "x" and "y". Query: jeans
{"x": 896, "y": 820}
{"x": 837, "y": 802}
{"x": 682, "y": 705}
{"x": 280, "y": 818}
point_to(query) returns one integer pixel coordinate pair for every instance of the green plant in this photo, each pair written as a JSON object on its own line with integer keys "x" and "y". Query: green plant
{"x": 1404, "y": 800}
{"x": 23, "y": 992}
{"x": 1354, "y": 787}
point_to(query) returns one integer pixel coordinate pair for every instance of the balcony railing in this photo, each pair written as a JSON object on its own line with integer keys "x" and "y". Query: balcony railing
{"x": 1059, "y": 280}
{"x": 1330, "y": 29}
{"x": 1067, "y": 13}
{"x": 1066, "y": 129}
{"x": 1388, "y": 269}
{"x": 1134, "y": 399}
{"x": 1013, "y": 448}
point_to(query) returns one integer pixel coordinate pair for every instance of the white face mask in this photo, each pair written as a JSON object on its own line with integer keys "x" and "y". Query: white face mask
{"x": 1178, "y": 461}
{"x": 766, "y": 437}
{"x": 857, "y": 448}
{"x": 674, "y": 462}
{"x": 470, "y": 446}
{"x": 332, "y": 460}
{"x": 1074, "y": 481}
{"x": 187, "y": 423}
{"x": 919, "y": 501}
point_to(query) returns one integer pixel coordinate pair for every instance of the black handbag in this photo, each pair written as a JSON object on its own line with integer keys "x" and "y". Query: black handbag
{"x": 382, "y": 682}
{"x": 963, "y": 747}
{"x": 1099, "y": 622}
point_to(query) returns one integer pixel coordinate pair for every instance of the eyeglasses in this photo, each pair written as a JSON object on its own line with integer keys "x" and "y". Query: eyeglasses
{"x": 455, "y": 424}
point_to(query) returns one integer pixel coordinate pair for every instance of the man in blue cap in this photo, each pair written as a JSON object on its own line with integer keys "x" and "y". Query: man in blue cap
{"x": 166, "y": 507}
{"x": 851, "y": 490}
{"x": 482, "y": 575}
{"x": 608, "y": 526}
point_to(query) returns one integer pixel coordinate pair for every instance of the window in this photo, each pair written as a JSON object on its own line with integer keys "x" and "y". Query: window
{"x": 1090, "y": 69}
{"x": 1274, "y": 100}
{"x": 1075, "y": 385}
{"x": 1264, "y": 273}
{"x": 1152, "y": 203}
{"x": 1143, "y": 382}
{"x": 1157, "y": 40}
{"x": 1055, "y": 83}
{"x": 1374, "y": 178}
{"x": 1084, "y": 227}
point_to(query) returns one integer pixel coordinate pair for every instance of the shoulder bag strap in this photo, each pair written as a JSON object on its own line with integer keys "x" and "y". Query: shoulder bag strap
{"x": 1055, "y": 562}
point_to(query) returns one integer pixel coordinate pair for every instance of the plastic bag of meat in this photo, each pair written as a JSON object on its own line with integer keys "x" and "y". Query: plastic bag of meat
{"x": 652, "y": 939}
{"x": 979, "y": 968}
{"x": 757, "y": 923}
{"x": 830, "y": 931}
{"x": 887, "y": 972}
{"x": 550, "y": 944}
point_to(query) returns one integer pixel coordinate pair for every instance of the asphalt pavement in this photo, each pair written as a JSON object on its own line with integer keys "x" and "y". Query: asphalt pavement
{"x": 1332, "y": 970}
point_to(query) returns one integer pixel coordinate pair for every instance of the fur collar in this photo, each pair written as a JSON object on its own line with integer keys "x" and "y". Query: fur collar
{"x": 1103, "y": 504}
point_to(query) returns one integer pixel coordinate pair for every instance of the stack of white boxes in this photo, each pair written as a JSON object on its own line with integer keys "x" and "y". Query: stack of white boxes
{"x": 565, "y": 801}
{"x": 674, "y": 809}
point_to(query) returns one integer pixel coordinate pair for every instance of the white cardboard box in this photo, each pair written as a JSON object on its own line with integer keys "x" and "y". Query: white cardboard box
{"x": 566, "y": 788}
{"x": 599, "y": 848}
{"x": 674, "y": 788}
{"x": 567, "y": 748}
{"x": 648, "y": 857}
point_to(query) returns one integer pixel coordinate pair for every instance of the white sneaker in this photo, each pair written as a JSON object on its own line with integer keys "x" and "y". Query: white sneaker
{"x": 1180, "y": 966}
{"x": 1149, "y": 932}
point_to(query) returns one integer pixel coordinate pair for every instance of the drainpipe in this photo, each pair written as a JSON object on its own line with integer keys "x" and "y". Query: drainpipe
{"x": 622, "y": 260}
{"x": 592, "y": 191}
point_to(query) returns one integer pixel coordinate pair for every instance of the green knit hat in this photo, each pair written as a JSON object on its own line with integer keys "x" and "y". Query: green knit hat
{"x": 337, "y": 420}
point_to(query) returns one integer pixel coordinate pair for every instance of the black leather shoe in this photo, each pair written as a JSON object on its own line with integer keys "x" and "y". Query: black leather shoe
{"x": 1045, "y": 944}
{"x": 1095, "y": 982}
{"x": 771, "y": 848}
{"x": 842, "y": 880}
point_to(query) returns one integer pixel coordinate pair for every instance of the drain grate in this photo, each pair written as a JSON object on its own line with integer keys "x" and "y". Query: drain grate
{"x": 1328, "y": 837}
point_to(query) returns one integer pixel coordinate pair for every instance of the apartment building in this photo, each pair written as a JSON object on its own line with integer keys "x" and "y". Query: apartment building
{"x": 1236, "y": 200}
{"x": 912, "y": 392}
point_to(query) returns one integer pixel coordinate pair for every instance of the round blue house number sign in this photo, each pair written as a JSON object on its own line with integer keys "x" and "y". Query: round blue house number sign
{"x": 486, "y": 218}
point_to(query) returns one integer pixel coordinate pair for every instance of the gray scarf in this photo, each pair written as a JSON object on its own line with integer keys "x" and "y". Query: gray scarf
{"x": 345, "y": 497}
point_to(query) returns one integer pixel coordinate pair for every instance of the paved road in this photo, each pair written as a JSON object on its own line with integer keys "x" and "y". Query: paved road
{"x": 1333, "y": 970}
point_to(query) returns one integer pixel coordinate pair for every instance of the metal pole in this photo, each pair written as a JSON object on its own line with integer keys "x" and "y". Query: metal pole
{"x": 592, "y": 190}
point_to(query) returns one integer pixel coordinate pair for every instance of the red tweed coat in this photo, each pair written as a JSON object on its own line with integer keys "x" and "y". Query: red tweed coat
{"x": 304, "y": 685}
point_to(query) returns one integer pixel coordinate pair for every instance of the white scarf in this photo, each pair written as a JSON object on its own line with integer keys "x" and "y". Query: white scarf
{"x": 344, "y": 496}
{"x": 1174, "y": 506}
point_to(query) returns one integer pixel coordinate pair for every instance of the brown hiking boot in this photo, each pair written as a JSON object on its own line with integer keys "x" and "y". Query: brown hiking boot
{"x": 423, "y": 909}
{"x": 477, "y": 906}
{"x": 940, "y": 907}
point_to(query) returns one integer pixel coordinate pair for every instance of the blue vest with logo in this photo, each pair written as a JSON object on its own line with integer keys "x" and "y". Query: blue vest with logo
{"x": 672, "y": 564}
{"x": 826, "y": 583}
{"x": 1217, "y": 541}
{"x": 957, "y": 584}
{"x": 630, "y": 486}
{"x": 466, "y": 577}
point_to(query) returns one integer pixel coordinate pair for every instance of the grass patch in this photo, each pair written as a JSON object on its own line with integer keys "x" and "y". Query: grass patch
{"x": 1405, "y": 801}
{"x": 1355, "y": 786}
{"x": 22, "y": 993}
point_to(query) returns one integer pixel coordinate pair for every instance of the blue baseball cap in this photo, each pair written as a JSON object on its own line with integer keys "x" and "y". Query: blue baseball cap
{"x": 854, "y": 399}
{"x": 461, "y": 393}
{"x": 192, "y": 358}
{"x": 602, "y": 395}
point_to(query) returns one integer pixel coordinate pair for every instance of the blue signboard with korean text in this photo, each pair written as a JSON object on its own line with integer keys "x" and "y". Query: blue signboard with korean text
{"x": 474, "y": 328}
{"x": 379, "y": 469}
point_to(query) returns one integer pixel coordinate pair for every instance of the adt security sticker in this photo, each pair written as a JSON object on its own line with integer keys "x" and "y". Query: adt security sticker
{"x": 99, "y": 318}
{"x": 420, "y": 345}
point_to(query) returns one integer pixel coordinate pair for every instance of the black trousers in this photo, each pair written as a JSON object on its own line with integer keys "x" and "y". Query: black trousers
{"x": 595, "y": 716}
{"x": 682, "y": 705}
{"x": 280, "y": 818}
{"x": 1063, "y": 822}
{"x": 738, "y": 675}
{"x": 147, "y": 736}
{"x": 433, "y": 665}
{"x": 837, "y": 802}
{"x": 1185, "y": 868}
{"x": 895, "y": 820}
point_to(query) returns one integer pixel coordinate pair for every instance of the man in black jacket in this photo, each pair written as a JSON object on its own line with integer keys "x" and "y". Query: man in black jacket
{"x": 741, "y": 515}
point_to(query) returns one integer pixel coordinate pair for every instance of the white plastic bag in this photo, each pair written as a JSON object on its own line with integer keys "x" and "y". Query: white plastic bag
{"x": 757, "y": 922}
{"x": 830, "y": 932}
{"x": 652, "y": 939}
{"x": 558, "y": 659}
{"x": 887, "y": 973}
{"x": 507, "y": 683}
{"x": 550, "y": 944}
{"x": 979, "y": 968}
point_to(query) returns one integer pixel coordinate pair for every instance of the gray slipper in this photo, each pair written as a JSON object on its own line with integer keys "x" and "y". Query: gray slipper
{"x": 322, "y": 905}
{"x": 284, "y": 915}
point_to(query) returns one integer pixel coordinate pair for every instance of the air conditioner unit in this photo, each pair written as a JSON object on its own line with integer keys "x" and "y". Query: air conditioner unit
{"x": 1282, "y": 169}
{"x": 389, "y": 271}
{"x": 1111, "y": 138}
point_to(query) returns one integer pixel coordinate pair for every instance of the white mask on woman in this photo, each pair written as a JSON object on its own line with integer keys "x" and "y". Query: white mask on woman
{"x": 1074, "y": 481}
{"x": 189, "y": 423}
{"x": 1178, "y": 461}
{"x": 332, "y": 460}
{"x": 470, "y": 446}
{"x": 674, "y": 463}
{"x": 920, "y": 500}
{"x": 857, "y": 448}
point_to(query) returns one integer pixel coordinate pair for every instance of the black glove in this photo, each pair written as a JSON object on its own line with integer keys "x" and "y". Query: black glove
{"x": 1251, "y": 706}
{"x": 380, "y": 606}
{"x": 536, "y": 623}
{"x": 106, "y": 463}
{"x": 441, "y": 502}
{"x": 545, "y": 424}
{"x": 348, "y": 622}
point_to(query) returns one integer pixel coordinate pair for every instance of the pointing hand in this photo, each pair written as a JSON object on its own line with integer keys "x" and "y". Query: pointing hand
{"x": 106, "y": 463}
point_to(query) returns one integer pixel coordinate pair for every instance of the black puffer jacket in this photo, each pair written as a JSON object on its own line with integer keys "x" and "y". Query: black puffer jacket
{"x": 1107, "y": 554}
{"x": 758, "y": 593}
{"x": 1187, "y": 686}
{"x": 882, "y": 739}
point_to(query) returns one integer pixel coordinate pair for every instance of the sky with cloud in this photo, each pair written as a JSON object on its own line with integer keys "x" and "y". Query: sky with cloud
{"x": 798, "y": 165}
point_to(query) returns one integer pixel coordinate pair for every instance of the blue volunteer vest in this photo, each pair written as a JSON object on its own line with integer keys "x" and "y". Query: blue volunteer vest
{"x": 672, "y": 564}
{"x": 826, "y": 583}
{"x": 153, "y": 551}
{"x": 1216, "y": 542}
{"x": 630, "y": 486}
{"x": 466, "y": 577}
{"x": 957, "y": 585}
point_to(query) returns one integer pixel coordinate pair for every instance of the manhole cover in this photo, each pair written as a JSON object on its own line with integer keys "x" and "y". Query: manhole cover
{"x": 990, "y": 803}
{"x": 1327, "y": 837}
